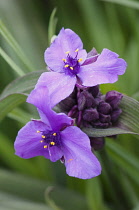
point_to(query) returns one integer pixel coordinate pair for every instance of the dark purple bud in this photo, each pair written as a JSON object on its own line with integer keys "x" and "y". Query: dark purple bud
{"x": 113, "y": 98}
{"x": 67, "y": 104}
{"x": 90, "y": 115}
{"x": 115, "y": 114}
{"x": 94, "y": 90}
{"x": 85, "y": 100}
{"x": 104, "y": 118}
{"x": 104, "y": 108}
{"x": 97, "y": 143}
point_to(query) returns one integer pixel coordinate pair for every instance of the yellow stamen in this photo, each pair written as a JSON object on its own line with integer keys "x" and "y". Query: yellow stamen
{"x": 71, "y": 68}
{"x": 76, "y": 50}
{"x": 43, "y": 136}
{"x": 79, "y": 60}
{"x": 66, "y": 66}
{"x": 38, "y": 131}
{"x": 41, "y": 141}
{"x": 70, "y": 160}
{"x": 54, "y": 134}
{"x": 64, "y": 59}
{"x": 45, "y": 146}
{"x": 67, "y": 52}
{"x": 52, "y": 143}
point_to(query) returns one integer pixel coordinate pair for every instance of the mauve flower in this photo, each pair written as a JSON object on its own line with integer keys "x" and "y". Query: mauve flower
{"x": 54, "y": 137}
{"x": 70, "y": 64}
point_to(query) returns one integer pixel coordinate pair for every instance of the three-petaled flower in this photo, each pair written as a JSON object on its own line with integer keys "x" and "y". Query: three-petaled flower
{"x": 55, "y": 137}
{"x": 70, "y": 64}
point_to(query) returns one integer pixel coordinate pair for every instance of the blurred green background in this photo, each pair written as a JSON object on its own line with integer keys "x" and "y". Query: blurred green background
{"x": 38, "y": 184}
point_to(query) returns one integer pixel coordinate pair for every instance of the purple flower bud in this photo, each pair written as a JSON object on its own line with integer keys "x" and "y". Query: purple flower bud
{"x": 85, "y": 100}
{"x": 67, "y": 104}
{"x": 97, "y": 143}
{"x": 104, "y": 118}
{"x": 104, "y": 108}
{"x": 113, "y": 98}
{"x": 90, "y": 115}
{"x": 94, "y": 90}
{"x": 115, "y": 114}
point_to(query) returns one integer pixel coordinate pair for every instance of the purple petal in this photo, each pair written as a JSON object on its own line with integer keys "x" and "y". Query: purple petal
{"x": 66, "y": 40}
{"x": 59, "y": 85}
{"x": 55, "y": 153}
{"x": 91, "y": 57}
{"x": 27, "y": 143}
{"x": 105, "y": 70}
{"x": 79, "y": 160}
{"x": 40, "y": 98}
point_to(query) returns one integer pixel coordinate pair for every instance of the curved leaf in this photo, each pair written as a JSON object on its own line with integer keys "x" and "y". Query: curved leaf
{"x": 22, "y": 84}
{"x": 10, "y": 102}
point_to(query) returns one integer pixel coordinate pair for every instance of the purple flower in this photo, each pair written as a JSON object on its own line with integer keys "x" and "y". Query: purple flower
{"x": 54, "y": 137}
{"x": 70, "y": 64}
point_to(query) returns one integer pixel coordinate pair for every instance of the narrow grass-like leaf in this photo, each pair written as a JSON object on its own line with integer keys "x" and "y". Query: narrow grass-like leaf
{"x": 10, "y": 202}
{"x": 10, "y": 102}
{"x": 94, "y": 194}
{"x": 20, "y": 115}
{"x": 69, "y": 200}
{"x": 12, "y": 42}
{"x": 13, "y": 65}
{"x": 123, "y": 159}
{"x": 13, "y": 161}
{"x": 52, "y": 25}
{"x": 127, "y": 123}
{"x": 22, "y": 84}
{"x": 132, "y": 4}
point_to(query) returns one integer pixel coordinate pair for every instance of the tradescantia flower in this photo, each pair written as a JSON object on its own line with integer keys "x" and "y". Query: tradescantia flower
{"x": 55, "y": 137}
{"x": 70, "y": 64}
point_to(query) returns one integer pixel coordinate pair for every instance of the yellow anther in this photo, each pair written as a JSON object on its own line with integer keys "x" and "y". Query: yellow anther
{"x": 70, "y": 160}
{"x": 41, "y": 141}
{"x": 43, "y": 136}
{"x": 67, "y": 52}
{"x": 71, "y": 68}
{"x": 76, "y": 50}
{"x": 52, "y": 143}
{"x": 66, "y": 66}
{"x": 54, "y": 134}
{"x": 38, "y": 131}
{"x": 45, "y": 146}
{"x": 64, "y": 59}
{"x": 79, "y": 60}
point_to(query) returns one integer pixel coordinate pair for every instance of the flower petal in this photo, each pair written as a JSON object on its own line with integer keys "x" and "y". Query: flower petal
{"x": 27, "y": 143}
{"x": 55, "y": 153}
{"x": 40, "y": 98}
{"x": 67, "y": 40}
{"x": 80, "y": 162}
{"x": 105, "y": 70}
{"x": 59, "y": 85}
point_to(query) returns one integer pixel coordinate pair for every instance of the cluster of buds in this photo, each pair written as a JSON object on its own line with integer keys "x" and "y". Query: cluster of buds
{"x": 90, "y": 108}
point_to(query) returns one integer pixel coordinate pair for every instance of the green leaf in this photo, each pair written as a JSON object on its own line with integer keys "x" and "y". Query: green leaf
{"x": 10, "y": 202}
{"x": 10, "y": 102}
{"x": 15, "y": 46}
{"x": 128, "y": 122}
{"x": 52, "y": 25}
{"x": 23, "y": 84}
{"x": 132, "y": 4}
{"x": 11, "y": 63}
{"x": 63, "y": 199}
{"x": 126, "y": 161}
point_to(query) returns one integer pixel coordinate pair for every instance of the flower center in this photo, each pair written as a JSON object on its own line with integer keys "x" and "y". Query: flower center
{"x": 72, "y": 65}
{"x": 50, "y": 138}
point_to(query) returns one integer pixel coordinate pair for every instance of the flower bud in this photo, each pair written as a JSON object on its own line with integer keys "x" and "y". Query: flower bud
{"x": 113, "y": 98}
{"x": 85, "y": 100}
{"x": 104, "y": 108}
{"x": 104, "y": 118}
{"x": 115, "y": 114}
{"x": 94, "y": 90}
{"x": 90, "y": 115}
{"x": 97, "y": 143}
